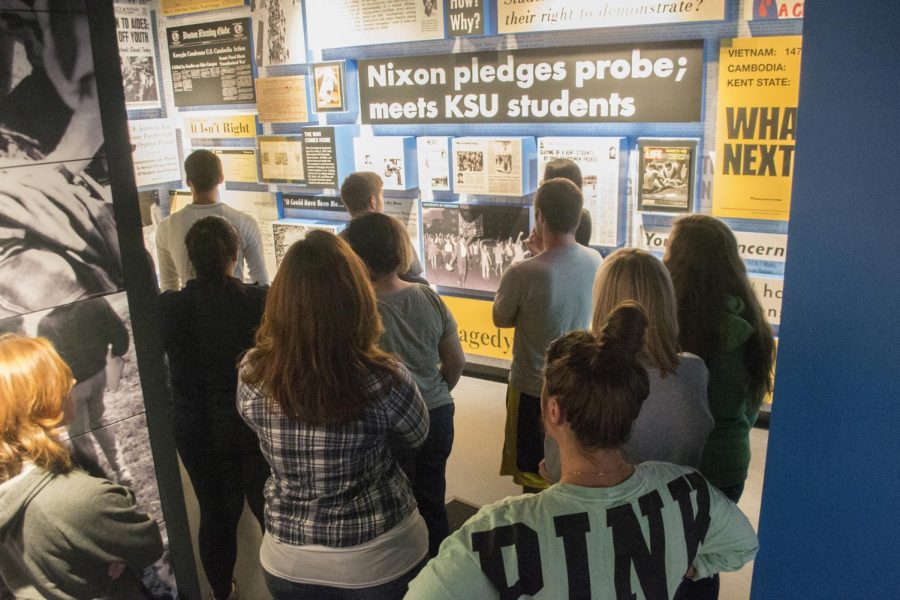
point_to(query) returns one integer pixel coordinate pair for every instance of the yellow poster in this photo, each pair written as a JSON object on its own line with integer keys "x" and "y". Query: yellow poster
{"x": 226, "y": 127}
{"x": 759, "y": 86}
{"x": 238, "y": 164}
{"x": 181, "y": 7}
{"x": 476, "y": 328}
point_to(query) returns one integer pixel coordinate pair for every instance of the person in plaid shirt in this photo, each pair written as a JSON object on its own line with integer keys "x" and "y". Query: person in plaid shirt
{"x": 332, "y": 412}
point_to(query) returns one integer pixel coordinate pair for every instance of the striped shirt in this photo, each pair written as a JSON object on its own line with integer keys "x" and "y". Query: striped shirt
{"x": 338, "y": 484}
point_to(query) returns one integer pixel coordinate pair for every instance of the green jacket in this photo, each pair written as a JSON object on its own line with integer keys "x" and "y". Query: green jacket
{"x": 726, "y": 455}
{"x": 60, "y": 533}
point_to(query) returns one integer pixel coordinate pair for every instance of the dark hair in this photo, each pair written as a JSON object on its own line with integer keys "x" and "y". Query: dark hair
{"x": 565, "y": 168}
{"x": 358, "y": 189}
{"x": 598, "y": 381}
{"x": 317, "y": 344}
{"x": 560, "y": 202}
{"x": 212, "y": 244}
{"x": 585, "y": 228}
{"x": 707, "y": 271}
{"x": 203, "y": 170}
{"x": 381, "y": 242}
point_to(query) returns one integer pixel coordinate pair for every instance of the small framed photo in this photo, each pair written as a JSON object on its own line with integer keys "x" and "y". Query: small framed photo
{"x": 329, "y": 83}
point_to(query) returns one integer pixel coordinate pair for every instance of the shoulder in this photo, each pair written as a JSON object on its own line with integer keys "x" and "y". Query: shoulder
{"x": 76, "y": 496}
{"x": 255, "y": 291}
{"x": 658, "y": 473}
{"x": 692, "y": 368}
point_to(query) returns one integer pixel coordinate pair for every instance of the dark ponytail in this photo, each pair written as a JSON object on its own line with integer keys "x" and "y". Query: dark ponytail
{"x": 598, "y": 381}
{"x": 212, "y": 245}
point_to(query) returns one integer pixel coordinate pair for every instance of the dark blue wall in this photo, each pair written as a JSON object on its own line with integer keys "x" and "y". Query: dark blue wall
{"x": 830, "y": 522}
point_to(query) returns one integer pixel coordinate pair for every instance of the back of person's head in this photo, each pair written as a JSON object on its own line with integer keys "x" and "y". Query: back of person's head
{"x": 203, "y": 170}
{"x": 559, "y": 202}
{"x": 565, "y": 168}
{"x": 34, "y": 382}
{"x": 317, "y": 341}
{"x": 634, "y": 274}
{"x": 212, "y": 245}
{"x": 381, "y": 242}
{"x": 707, "y": 271}
{"x": 358, "y": 190}
{"x": 585, "y": 228}
{"x": 598, "y": 381}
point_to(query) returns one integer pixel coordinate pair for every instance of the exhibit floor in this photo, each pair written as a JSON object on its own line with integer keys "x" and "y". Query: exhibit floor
{"x": 472, "y": 477}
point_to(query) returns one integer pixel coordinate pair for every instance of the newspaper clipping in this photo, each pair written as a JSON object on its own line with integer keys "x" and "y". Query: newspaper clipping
{"x": 666, "y": 175}
{"x": 385, "y": 156}
{"x": 137, "y": 55}
{"x": 488, "y": 166}
{"x": 278, "y": 31}
{"x": 433, "y": 154}
{"x": 281, "y": 158}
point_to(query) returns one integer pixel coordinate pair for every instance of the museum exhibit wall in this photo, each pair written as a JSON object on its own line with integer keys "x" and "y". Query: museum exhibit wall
{"x": 458, "y": 106}
{"x": 829, "y": 527}
{"x": 73, "y": 268}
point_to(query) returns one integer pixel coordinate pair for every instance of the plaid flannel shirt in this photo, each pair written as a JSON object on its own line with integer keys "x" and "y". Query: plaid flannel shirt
{"x": 338, "y": 485}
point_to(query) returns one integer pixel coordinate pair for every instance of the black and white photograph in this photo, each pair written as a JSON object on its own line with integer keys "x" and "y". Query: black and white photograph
{"x": 288, "y": 231}
{"x": 57, "y": 223}
{"x": 469, "y": 247}
{"x": 666, "y": 168}
{"x": 470, "y": 161}
{"x": 278, "y": 32}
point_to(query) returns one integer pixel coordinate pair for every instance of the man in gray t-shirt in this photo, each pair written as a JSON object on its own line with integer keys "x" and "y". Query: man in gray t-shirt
{"x": 543, "y": 297}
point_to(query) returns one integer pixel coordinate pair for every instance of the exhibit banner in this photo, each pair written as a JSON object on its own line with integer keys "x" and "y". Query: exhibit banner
{"x": 281, "y": 158}
{"x": 313, "y": 202}
{"x": 469, "y": 246}
{"x": 492, "y": 166}
{"x": 466, "y": 17}
{"x": 225, "y": 127}
{"x": 666, "y": 173}
{"x": 600, "y": 161}
{"x": 772, "y": 10}
{"x": 211, "y": 63}
{"x": 154, "y": 151}
{"x": 171, "y": 8}
{"x": 282, "y": 99}
{"x": 238, "y": 164}
{"x": 759, "y": 87}
{"x": 343, "y": 23}
{"x": 477, "y": 332}
{"x": 518, "y": 16}
{"x": 278, "y": 32}
{"x": 391, "y": 157}
{"x": 650, "y": 82}
{"x": 752, "y": 245}
{"x": 137, "y": 56}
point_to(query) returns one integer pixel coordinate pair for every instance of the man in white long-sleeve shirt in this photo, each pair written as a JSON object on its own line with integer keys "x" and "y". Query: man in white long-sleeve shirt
{"x": 203, "y": 171}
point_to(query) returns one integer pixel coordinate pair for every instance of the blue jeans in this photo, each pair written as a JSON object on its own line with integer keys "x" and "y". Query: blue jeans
{"x": 282, "y": 589}
{"x": 427, "y": 475}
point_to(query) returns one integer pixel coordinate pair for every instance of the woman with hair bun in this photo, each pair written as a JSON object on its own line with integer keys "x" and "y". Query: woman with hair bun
{"x": 609, "y": 528}
{"x": 63, "y": 533}
{"x": 206, "y": 328}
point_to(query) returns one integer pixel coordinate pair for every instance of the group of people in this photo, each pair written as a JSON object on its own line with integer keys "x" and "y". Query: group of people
{"x": 489, "y": 257}
{"x": 325, "y": 402}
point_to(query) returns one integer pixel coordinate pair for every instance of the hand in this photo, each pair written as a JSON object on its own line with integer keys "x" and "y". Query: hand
{"x": 534, "y": 243}
{"x": 691, "y": 573}
{"x": 115, "y": 570}
{"x": 543, "y": 472}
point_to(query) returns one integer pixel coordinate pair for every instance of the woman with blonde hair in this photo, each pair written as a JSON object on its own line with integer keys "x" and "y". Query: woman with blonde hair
{"x": 332, "y": 412}
{"x": 63, "y": 533}
{"x": 675, "y": 419}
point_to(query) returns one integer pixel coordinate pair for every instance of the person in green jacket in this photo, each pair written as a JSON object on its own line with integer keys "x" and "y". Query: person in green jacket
{"x": 721, "y": 320}
{"x": 63, "y": 533}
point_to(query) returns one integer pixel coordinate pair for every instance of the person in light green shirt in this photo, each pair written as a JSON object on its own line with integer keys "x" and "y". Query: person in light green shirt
{"x": 609, "y": 529}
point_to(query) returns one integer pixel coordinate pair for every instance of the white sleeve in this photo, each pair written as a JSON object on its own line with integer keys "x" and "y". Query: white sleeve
{"x": 253, "y": 252}
{"x": 730, "y": 540}
{"x": 168, "y": 274}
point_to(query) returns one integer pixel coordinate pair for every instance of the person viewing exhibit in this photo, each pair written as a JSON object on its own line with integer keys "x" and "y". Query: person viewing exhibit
{"x": 63, "y": 533}
{"x": 206, "y": 327}
{"x": 542, "y": 298}
{"x": 721, "y": 321}
{"x": 583, "y": 536}
{"x": 203, "y": 173}
{"x": 674, "y": 420}
{"x": 420, "y": 330}
{"x": 332, "y": 411}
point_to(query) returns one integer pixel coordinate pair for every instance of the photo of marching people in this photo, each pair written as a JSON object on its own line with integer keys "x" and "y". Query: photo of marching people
{"x": 470, "y": 246}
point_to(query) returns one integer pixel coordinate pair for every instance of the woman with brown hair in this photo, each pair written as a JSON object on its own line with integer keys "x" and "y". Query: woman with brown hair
{"x": 609, "y": 528}
{"x": 332, "y": 412}
{"x": 63, "y": 533}
{"x": 674, "y": 420}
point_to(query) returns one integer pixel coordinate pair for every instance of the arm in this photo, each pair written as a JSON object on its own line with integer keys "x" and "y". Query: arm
{"x": 253, "y": 253}
{"x": 453, "y": 573}
{"x": 168, "y": 274}
{"x": 506, "y": 301}
{"x": 453, "y": 360}
{"x": 730, "y": 540}
{"x": 410, "y": 416}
